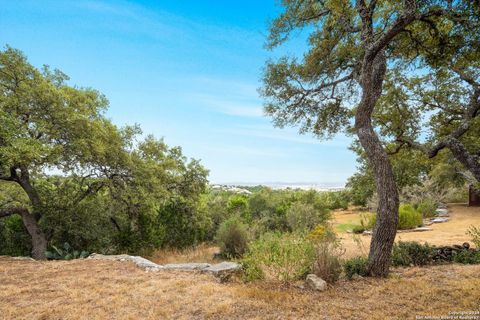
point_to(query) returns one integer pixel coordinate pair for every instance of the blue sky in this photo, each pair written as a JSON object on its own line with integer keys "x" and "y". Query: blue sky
{"x": 187, "y": 71}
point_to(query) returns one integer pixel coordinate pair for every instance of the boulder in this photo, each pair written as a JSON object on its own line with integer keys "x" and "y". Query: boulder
{"x": 224, "y": 270}
{"x": 441, "y": 212}
{"x": 316, "y": 283}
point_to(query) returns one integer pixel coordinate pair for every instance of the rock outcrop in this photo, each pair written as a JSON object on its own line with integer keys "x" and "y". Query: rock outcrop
{"x": 222, "y": 271}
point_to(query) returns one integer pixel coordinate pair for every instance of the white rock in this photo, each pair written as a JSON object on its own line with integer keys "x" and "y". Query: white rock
{"x": 422, "y": 229}
{"x": 187, "y": 266}
{"x": 440, "y": 220}
{"x": 441, "y": 212}
{"x": 315, "y": 283}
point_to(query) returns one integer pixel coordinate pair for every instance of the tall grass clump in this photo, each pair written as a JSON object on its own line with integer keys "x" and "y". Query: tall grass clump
{"x": 328, "y": 251}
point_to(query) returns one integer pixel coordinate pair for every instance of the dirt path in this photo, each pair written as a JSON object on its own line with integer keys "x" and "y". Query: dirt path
{"x": 448, "y": 233}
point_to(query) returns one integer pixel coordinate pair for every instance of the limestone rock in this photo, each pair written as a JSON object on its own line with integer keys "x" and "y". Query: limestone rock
{"x": 441, "y": 212}
{"x": 139, "y": 261}
{"x": 224, "y": 270}
{"x": 440, "y": 220}
{"x": 422, "y": 229}
{"x": 316, "y": 283}
{"x": 187, "y": 266}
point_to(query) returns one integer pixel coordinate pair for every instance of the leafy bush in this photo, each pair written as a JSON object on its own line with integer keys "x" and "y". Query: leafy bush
{"x": 357, "y": 265}
{"x": 335, "y": 199}
{"x": 279, "y": 257}
{"x": 327, "y": 255}
{"x": 65, "y": 253}
{"x": 232, "y": 236}
{"x": 427, "y": 208}
{"x": 357, "y": 229}
{"x": 467, "y": 257}
{"x": 408, "y": 217}
{"x": 302, "y": 217}
{"x": 411, "y": 253}
{"x": 474, "y": 232}
{"x": 14, "y": 238}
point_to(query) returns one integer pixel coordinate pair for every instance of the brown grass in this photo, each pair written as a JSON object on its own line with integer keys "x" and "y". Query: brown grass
{"x": 88, "y": 289}
{"x": 448, "y": 233}
{"x": 200, "y": 253}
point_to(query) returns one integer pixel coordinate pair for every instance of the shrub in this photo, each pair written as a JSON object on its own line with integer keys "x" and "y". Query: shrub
{"x": 467, "y": 257}
{"x": 358, "y": 229}
{"x": 327, "y": 258}
{"x": 279, "y": 257}
{"x": 357, "y": 265}
{"x": 474, "y": 232}
{"x": 14, "y": 238}
{"x": 302, "y": 217}
{"x": 408, "y": 217}
{"x": 411, "y": 253}
{"x": 427, "y": 208}
{"x": 232, "y": 237}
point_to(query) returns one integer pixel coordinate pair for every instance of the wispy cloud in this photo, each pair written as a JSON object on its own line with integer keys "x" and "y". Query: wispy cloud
{"x": 286, "y": 134}
{"x": 230, "y": 107}
{"x": 245, "y": 151}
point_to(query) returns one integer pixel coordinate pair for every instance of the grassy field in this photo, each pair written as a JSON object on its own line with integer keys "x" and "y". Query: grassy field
{"x": 87, "y": 289}
{"x": 92, "y": 289}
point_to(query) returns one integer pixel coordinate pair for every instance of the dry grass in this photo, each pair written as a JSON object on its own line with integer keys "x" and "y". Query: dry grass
{"x": 448, "y": 233}
{"x": 92, "y": 289}
{"x": 88, "y": 289}
{"x": 200, "y": 253}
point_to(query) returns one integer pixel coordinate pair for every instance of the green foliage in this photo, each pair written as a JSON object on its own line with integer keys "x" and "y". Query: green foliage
{"x": 427, "y": 208}
{"x": 411, "y": 253}
{"x": 65, "y": 253}
{"x": 232, "y": 237}
{"x": 474, "y": 233}
{"x": 117, "y": 192}
{"x": 238, "y": 205}
{"x": 361, "y": 186}
{"x": 357, "y": 229}
{"x": 302, "y": 217}
{"x": 357, "y": 265}
{"x": 467, "y": 257}
{"x": 279, "y": 257}
{"x": 408, "y": 217}
{"x": 14, "y": 239}
{"x": 335, "y": 199}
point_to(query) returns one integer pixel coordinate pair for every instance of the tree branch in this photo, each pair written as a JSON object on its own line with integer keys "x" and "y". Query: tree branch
{"x": 11, "y": 211}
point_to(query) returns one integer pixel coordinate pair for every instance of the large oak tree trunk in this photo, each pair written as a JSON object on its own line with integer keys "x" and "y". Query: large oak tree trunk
{"x": 39, "y": 241}
{"x": 387, "y": 214}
